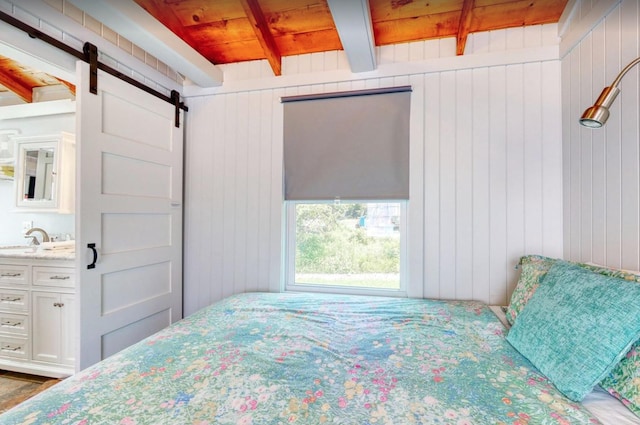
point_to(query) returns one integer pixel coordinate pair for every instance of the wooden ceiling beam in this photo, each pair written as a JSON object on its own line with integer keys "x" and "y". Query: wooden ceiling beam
{"x": 353, "y": 22}
{"x": 13, "y": 79}
{"x": 68, "y": 85}
{"x": 265, "y": 38}
{"x": 463, "y": 27}
{"x": 22, "y": 80}
{"x": 23, "y": 91}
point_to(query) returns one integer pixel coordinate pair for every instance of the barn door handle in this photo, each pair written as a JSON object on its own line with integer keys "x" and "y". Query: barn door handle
{"x": 92, "y": 247}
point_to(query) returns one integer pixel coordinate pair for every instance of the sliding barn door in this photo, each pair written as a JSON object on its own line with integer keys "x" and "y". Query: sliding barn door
{"x": 129, "y": 216}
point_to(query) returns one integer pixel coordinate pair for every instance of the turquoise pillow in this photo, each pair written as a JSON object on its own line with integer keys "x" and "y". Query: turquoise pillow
{"x": 577, "y": 326}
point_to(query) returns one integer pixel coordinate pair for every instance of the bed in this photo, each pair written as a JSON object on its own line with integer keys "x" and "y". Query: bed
{"x": 267, "y": 358}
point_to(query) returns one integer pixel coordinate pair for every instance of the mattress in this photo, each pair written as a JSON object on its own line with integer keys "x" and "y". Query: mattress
{"x": 313, "y": 359}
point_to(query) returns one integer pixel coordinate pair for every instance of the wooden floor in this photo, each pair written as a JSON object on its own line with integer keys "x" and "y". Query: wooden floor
{"x": 17, "y": 387}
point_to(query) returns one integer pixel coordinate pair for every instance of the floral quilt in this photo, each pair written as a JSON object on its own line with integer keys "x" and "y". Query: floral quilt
{"x": 267, "y": 359}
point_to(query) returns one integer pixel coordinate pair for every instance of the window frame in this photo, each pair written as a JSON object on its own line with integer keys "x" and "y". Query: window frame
{"x": 289, "y": 284}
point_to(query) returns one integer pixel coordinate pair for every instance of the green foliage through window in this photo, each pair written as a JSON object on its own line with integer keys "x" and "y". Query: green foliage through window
{"x": 354, "y": 244}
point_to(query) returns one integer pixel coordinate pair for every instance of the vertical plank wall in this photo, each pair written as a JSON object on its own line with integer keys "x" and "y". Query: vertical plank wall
{"x": 486, "y": 178}
{"x": 601, "y": 167}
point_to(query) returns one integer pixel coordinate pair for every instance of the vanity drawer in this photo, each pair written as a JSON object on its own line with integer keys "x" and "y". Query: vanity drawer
{"x": 14, "y": 274}
{"x": 14, "y": 324}
{"x": 54, "y": 276}
{"x": 14, "y": 347}
{"x": 14, "y": 300}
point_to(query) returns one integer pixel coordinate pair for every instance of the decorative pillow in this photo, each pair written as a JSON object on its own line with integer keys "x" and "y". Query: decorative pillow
{"x": 608, "y": 271}
{"x": 577, "y": 326}
{"x": 624, "y": 380}
{"x": 533, "y": 269}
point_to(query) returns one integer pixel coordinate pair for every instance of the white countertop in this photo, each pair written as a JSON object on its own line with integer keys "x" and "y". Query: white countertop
{"x": 35, "y": 252}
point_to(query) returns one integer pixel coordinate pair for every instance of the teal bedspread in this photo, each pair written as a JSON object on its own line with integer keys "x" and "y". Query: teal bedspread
{"x": 267, "y": 359}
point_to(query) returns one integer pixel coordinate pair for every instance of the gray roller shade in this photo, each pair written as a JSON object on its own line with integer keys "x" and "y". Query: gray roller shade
{"x": 352, "y": 146}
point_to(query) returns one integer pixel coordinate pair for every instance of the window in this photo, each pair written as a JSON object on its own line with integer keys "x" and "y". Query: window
{"x": 350, "y": 247}
{"x": 346, "y": 146}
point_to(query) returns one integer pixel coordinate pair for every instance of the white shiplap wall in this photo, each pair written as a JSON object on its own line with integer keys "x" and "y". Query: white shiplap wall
{"x": 602, "y": 167}
{"x": 486, "y": 176}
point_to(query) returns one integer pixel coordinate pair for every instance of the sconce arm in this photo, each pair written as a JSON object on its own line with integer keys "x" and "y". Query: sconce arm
{"x": 624, "y": 71}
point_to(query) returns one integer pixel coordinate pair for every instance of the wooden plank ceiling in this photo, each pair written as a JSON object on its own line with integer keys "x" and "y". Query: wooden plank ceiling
{"x": 228, "y": 31}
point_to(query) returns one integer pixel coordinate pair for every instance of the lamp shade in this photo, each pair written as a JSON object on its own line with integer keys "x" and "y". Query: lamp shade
{"x": 595, "y": 116}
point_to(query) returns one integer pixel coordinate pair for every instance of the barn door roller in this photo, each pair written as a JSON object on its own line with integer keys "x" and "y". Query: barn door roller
{"x": 91, "y": 57}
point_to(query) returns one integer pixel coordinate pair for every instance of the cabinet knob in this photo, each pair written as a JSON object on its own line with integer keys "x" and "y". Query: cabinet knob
{"x": 58, "y": 304}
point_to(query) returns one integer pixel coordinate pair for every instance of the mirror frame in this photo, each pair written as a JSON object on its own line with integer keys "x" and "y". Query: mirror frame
{"x": 29, "y": 143}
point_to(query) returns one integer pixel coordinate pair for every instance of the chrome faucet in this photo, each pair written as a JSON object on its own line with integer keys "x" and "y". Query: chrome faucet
{"x": 34, "y": 239}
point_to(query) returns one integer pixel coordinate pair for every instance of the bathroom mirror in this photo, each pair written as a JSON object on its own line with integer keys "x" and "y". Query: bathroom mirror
{"x": 38, "y": 174}
{"x": 45, "y": 173}
{"x": 36, "y": 170}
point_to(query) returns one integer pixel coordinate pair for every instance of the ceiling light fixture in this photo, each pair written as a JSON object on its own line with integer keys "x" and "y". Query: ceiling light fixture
{"x": 596, "y": 115}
